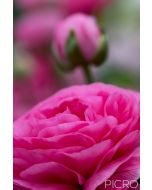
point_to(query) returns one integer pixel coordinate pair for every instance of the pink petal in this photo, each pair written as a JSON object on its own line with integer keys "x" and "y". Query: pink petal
{"x": 23, "y": 185}
{"x": 51, "y": 172}
{"x": 106, "y": 172}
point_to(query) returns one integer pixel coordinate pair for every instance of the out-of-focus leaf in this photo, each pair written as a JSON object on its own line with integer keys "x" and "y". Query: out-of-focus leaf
{"x": 120, "y": 77}
{"x": 16, "y": 12}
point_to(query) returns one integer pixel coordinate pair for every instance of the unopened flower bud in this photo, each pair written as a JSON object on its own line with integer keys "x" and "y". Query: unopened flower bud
{"x": 78, "y": 40}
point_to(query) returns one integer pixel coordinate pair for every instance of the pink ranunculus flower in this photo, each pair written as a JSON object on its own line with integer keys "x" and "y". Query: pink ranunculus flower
{"x": 86, "y": 6}
{"x": 78, "y": 139}
{"x": 34, "y": 30}
{"x": 86, "y": 33}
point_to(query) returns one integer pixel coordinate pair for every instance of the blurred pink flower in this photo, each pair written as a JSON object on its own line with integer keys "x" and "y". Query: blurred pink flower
{"x": 86, "y": 32}
{"x": 69, "y": 6}
{"x": 38, "y": 83}
{"x": 34, "y": 30}
{"x": 86, "y": 6}
{"x": 78, "y": 138}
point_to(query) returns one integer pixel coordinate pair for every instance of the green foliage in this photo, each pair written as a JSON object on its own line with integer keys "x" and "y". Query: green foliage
{"x": 120, "y": 77}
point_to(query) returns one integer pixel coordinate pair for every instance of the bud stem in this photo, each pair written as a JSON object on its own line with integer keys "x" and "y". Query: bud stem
{"x": 88, "y": 74}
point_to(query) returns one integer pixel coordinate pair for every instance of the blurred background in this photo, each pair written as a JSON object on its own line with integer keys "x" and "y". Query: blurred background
{"x": 35, "y": 74}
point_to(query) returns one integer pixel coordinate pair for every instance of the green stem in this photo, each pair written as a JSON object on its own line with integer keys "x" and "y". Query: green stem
{"x": 88, "y": 74}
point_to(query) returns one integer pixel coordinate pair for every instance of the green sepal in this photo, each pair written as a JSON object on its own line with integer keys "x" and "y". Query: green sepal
{"x": 73, "y": 51}
{"x": 102, "y": 52}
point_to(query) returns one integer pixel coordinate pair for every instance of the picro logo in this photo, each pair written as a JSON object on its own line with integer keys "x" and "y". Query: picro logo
{"x": 119, "y": 184}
